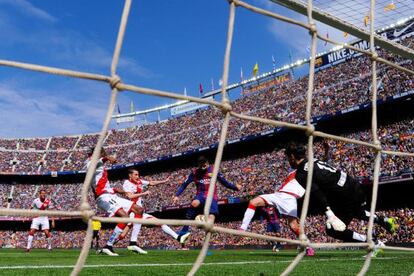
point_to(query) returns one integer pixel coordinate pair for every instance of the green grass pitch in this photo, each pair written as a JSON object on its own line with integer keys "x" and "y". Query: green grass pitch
{"x": 218, "y": 262}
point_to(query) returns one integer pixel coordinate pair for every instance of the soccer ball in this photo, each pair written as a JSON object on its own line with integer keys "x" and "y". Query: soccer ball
{"x": 200, "y": 218}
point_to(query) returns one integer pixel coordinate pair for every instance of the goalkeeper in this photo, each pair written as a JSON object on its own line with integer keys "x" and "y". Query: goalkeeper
{"x": 340, "y": 195}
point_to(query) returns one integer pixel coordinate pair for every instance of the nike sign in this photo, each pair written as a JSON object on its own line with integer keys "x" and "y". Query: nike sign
{"x": 398, "y": 33}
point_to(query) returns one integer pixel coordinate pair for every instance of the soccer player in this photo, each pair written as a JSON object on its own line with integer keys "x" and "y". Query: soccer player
{"x": 134, "y": 188}
{"x": 272, "y": 218}
{"x": 40, "y": 223}
{"x": 285, "y": 201}
{"x": 339, "y": 194}
{"x": 108, "y": 201}
{"x": 201, "y": 176}
{"x": 96, "y": 226}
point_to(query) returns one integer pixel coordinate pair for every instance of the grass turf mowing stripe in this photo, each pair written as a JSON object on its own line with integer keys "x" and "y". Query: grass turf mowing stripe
{"x": 188, "y": 264}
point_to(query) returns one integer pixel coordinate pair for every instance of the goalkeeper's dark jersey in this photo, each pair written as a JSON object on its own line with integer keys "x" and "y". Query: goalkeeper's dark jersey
{"x": 330, "y": 186}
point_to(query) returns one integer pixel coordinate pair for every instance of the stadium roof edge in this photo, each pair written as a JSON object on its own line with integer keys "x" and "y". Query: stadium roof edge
{"x": 285, "y": 67}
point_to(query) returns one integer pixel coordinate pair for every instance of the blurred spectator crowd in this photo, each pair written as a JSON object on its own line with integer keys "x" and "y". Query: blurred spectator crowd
{"x": 257, "y": 173}
{"x": 154, "y": 238}
{"x": 337, "y": 88}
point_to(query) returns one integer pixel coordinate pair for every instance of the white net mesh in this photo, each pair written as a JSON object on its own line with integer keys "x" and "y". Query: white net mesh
{"x": 116, "y": 85}
{"x": 356, "y": 12}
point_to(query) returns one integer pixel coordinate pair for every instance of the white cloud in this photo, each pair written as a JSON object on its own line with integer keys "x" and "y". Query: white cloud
{"x": 29, "y": 9}
{"x": 65, "y": 48}
{"x": 33, "y": 104}
{"x": 297, "y": 37}
{"x": 41, "y": 113}
{"x": 76, "y": 50}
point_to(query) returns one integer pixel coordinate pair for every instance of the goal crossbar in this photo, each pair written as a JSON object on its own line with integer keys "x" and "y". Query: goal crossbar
{"x": 344, "y": 26}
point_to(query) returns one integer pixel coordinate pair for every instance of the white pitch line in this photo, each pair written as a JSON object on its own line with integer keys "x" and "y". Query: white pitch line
{"x": 187, "y": 264}
{"x": 129, "y": 265}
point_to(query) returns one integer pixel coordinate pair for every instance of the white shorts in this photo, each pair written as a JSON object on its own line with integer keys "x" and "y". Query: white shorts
{"x": 111, "y": 203}
{"x": 40, "y": 222}
{"x": 285, "y": 203}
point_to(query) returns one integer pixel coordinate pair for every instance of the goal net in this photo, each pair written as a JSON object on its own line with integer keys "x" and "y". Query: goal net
{"x": 313, "y": 10}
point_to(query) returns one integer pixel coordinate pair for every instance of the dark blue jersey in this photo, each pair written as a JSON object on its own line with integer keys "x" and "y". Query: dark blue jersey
{"x": 202, "y": 179}
{"x": 271, "y": 214}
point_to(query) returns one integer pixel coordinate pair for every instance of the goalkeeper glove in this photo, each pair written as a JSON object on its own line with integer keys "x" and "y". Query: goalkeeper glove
{"x": 333, "y": 221}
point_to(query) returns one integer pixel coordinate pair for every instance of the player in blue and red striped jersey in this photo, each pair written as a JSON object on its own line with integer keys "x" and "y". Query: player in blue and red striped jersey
{"x": 201, "y": 176}
{"x": 272, "y": 217}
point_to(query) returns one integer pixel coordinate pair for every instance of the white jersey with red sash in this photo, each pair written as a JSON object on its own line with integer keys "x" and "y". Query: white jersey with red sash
{"x": 285, "y": 198}
{"x": 105, "y": 196}
{"x": 100, "y": 183}
{"x": 291, "y": 186}
{"x": 39, "y": 205}
{"x": 135, "y": 187}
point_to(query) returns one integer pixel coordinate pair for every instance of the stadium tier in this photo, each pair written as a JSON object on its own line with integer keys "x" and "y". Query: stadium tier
{"x": 259, "y": 173}
{"x": 339, "y": 89}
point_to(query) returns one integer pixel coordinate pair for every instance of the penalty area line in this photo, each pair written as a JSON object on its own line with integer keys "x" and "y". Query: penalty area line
{"x": 128, "y": 265}
{"x": 186, "y": 264}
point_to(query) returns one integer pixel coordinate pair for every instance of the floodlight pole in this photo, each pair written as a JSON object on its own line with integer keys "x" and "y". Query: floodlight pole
{"x": 342, "y": 25}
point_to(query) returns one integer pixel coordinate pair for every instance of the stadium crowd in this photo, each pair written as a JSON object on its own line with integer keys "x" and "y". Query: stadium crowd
{"x": 336, "y": 88}
{"x": 258, "y": 173}
{"x": 153, "y": 237}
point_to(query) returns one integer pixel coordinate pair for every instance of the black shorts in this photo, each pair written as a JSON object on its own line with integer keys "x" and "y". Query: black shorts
{"x": 352, "y": 204}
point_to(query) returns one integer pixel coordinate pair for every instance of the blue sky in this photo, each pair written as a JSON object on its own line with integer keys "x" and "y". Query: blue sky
{"x": 168, "y": 45}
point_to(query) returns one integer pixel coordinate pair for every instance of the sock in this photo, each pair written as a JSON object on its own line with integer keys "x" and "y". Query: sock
{"x": 29, "y": 242}
{"x": 248, "y": 215}
{"x": 359, "y": 237}
{"x": 167, "y": 230}
{"x": 121, "y": 226}
{"x": 49, "y": 243}
{"x": 191, "y": 214}
{"x": 184, "y": 230}
{"x": 135, "y": 232}
{"x": 114, "y": 236}
{"x": 346, "y": 236}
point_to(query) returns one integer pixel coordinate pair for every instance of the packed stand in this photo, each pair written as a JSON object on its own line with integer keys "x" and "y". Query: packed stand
{"x": 33, "y": 144}
{"x": 336, "y": 88}
{"x": 153, "y": 237}
{"x": 6, "y": 161}
{"x": 264, "y": 172}
{"x": 63, "y": 142}
{"x": 10, "y": 144}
